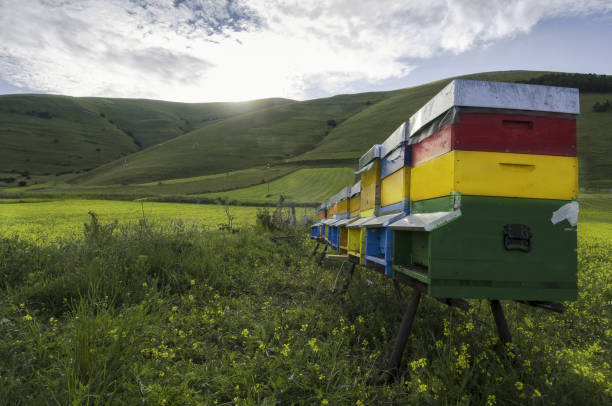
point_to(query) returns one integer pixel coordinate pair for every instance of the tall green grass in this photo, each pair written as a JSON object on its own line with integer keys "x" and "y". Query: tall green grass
{"x": 175, "y": 314}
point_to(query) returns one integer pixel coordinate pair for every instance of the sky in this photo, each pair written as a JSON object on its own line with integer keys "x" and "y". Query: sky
{"x": 233, "y": 50}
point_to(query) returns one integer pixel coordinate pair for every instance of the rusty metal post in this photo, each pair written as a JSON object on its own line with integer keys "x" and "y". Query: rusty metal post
{"x": 322, "y": 255}
{"x": 500, "y": 320}
{"x": 404, "y": 332}
{"x": 348, "y": 279}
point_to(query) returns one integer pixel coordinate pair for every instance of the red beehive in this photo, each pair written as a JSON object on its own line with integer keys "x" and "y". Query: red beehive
{"x": 500, "y": 132}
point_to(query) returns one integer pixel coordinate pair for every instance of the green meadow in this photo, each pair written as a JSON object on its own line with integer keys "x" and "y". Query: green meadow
{"x": 113, "y": 293}
{"x": 172, "y": 312}
{"x": 51, "y": 220}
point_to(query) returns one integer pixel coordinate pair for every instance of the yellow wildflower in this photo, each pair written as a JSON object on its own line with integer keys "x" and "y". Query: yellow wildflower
{"x": 313, "y": 344}
{"x": 27, "y": 317}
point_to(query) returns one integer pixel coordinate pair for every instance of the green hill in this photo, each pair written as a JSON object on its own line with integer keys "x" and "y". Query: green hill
{"x": 222, "y": 149}
{"x": 356, "y": 135}
{"x": 303, "y": 186}
{"x": 51, "y": 135}
{"x": 257, "y": 138}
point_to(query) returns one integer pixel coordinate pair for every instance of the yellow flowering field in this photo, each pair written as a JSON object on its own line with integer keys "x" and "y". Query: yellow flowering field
{"x": 50, "y": 219}
{"x": 196, "y": 315}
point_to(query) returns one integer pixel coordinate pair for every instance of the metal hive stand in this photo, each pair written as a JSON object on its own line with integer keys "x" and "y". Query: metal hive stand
{"x": 419, "y": 289}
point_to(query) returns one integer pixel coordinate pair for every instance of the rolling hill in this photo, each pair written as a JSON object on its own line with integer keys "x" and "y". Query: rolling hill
{"x": 256, "y": 138}
{"x": 51, "y": 135}
{"x": 230, "y": 150}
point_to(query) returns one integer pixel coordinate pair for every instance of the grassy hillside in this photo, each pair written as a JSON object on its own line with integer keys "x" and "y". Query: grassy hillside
{"x": 230, "y": 140}
{"x": 153, "y": 121}
{"x": 162, "y": 189}
{"x": 303, "y": 186}
{"x": 299, "y": 134}
{"x": 356, "y": 135}
{"x": 251, "y": 139}
{"x": 595, "y": 143}
{"x": 50, "y": 135}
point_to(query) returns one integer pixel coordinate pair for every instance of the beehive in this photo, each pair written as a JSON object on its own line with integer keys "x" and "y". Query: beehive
{"x": 369, "y": 168}
{"x": 491, "y": 163}
{"x": 340, "y": 201}
{"x": 489, "y": 247}
{"x": 355, "y": 200}
{"x": 395, "y": 198}
{"x": 356, "y": 239}
{"x": 353, "y": 213}
{"x": 317, "y": 229}
{"x": 395, "y": 171}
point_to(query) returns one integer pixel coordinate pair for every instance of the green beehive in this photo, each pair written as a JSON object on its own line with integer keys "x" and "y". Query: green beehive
{"x": 490, "y": 247}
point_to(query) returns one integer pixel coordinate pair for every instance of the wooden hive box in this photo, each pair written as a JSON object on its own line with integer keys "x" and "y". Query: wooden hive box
{"x": 395, "y": 171}
{"x": 493, "y": 130}
{"x": 352, "y": 213}
{"x": 489, "y": 247}
{"x": 379, "y": 241}
{"x": 496, "y": 174}
{"x": 491, "y": 164}
{"x": 369, "y": 168}
{"x": 356, "y": 240}
{"x": 340, "y": 200}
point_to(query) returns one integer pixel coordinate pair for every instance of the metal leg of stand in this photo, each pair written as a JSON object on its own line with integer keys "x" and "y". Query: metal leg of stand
{"x": 404, "y": 332}
{"x": 398, "y": 289}
{"x": 347, "y": 282}
{"x": 316, "y": 248}
{"x": 500, "y": 320}
{"x": 322, "y": 255}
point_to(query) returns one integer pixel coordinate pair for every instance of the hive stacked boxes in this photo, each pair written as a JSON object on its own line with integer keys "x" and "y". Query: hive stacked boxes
{"x": 341, "y": 210}
{"x": 461, "y": 197}
{"x": 316, "y": 230}
{"x": 394, "y": 198}
{"x": 352, "y": 210}
{"x": 369, "y": 202}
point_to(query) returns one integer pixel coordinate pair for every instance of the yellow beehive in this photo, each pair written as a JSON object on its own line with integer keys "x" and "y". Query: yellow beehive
{"x": 370, "y": 190}
{"x": 395, "y": 188}
{"x": 356, "y": 243}
{"x": 496, "y": 174}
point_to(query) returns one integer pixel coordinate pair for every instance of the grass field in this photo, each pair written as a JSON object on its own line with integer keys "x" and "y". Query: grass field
{"x": 303, "y": 186}
{"x": 182, "y": 315}
{"x": 56, "y": 219}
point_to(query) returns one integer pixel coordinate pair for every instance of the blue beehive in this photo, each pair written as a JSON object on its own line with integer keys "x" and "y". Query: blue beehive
{"x": 340, "y": 199}
{"x": 395, "y": 202}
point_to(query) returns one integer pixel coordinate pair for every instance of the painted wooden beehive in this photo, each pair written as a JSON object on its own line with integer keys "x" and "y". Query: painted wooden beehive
{"x": 330, "y": 218}
{"x": 369, "y": 168}
{"x": 316, "y": 230}
{"x": 494, "y": 174}
{"x": 369, "y": 202}
{"x": 395, "y": 198}
{"x": 353, "y": 203}
{"x": 395, "y": 171}
{"x": 356, "y": 234}
{"x": 341, "y": 200}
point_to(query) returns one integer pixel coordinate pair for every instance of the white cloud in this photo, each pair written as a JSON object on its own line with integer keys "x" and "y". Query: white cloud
{"x": 197, "y": 50}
